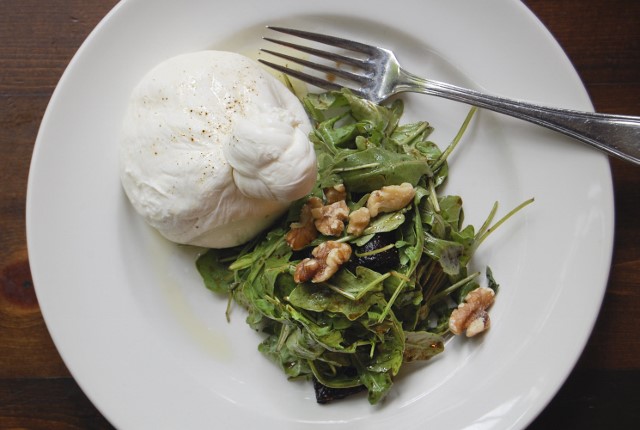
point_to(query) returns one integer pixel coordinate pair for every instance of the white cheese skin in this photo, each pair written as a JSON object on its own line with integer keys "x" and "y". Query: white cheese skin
{"x": 213, "y": 149}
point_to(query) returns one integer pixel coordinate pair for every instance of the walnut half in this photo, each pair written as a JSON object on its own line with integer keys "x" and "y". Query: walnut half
{"x": 328, "y": 257}
{"x": 390, "y": 198}
{"x": 471, "y": 316}
{"x": 329, "y": 219}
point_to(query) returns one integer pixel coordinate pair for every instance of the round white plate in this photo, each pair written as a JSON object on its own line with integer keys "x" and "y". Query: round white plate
{"x": 150, "y": 345}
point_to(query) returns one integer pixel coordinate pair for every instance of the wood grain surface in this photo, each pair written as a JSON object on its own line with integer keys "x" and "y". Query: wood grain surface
{"x": 39, "y": 38}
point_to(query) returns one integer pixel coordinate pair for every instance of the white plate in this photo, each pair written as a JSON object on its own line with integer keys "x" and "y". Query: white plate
{"x": 151, "y": 347}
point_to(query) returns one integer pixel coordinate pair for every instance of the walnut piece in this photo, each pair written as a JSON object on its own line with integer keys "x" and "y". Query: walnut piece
{"x": 358, "y": 221}
{"x": 329, "y": 219}
{"x": 471, "y": 315}
{"x": 306, "y": 270}
{"x": 335, "y": 193}
{"x": 304, "y": 231}
{"x": 390, "y": 198}
{"x": 328, "y": 257}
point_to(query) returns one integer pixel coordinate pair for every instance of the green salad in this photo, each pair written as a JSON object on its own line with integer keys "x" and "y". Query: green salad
{"x": 370, "y": 271}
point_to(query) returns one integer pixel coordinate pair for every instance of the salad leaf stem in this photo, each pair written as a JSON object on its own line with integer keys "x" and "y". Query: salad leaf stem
{"x": 483, "y": 234}
{"x": 375, "y": 251}
{"x": 433, "y": 196}
{"x": 447, "y": 291}
{"x": 417, "y": 132}
{"x": 284, "y": 334}
{"x": 399, "y": 275}
{"x": 393, "y": 298}
{"x": 354, "y": 168}
{"x": 456, "y": 139}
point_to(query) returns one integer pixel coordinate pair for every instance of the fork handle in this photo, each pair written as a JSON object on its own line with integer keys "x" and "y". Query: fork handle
{"x": 617, "y": 135}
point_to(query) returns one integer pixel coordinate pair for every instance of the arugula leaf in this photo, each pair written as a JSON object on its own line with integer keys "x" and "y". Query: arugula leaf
{"x": 215, "y": 274}
{"x": 290, "y": 355}
{"x": 356, "y": 286}
{"x": 445, "y": 252}
{"x": 319, "y": 298}
{"x": 322, "y": 106}
{"x": 422, "y": 345}
{"x": 373, "y": 168}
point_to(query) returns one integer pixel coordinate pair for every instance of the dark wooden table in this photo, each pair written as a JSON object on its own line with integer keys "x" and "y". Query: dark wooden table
{"x": 37, "y": 40}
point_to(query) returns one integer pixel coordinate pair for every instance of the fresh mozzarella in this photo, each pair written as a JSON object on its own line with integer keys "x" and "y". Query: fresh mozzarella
{"x": 214, "y": 149}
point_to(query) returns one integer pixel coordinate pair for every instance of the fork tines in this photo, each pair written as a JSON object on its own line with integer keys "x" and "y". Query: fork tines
{"x": 332, "y": 72}
{"x": 327, "y": 40}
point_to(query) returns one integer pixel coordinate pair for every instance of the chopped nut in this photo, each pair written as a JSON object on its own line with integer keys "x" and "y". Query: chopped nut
{"x": 358, "y": 221}
{"x": 314, "y": 202}
{"x": 478, "y": 325}
{"x": 304, "y": 231}
{"x": 306, "y": 269}
{"x": 329, "y": 219}
{"x": 471, "y": 315}
{"x": 328, "y": 257}
{"x": 335, "y": 193}
{"x": 390, "y": 198}
{"x": 331, "y": 255}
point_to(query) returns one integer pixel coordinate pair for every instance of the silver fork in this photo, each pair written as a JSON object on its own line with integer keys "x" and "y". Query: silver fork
{"x": 380, "y": 76}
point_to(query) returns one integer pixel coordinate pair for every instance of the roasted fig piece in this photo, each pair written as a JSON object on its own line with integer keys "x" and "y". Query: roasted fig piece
{"x": 377, "y": 254}
{"x": 326, "y": 394}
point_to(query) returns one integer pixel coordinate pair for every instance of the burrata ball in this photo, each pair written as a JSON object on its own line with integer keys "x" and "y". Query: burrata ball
{"x": 214, "y": 148}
